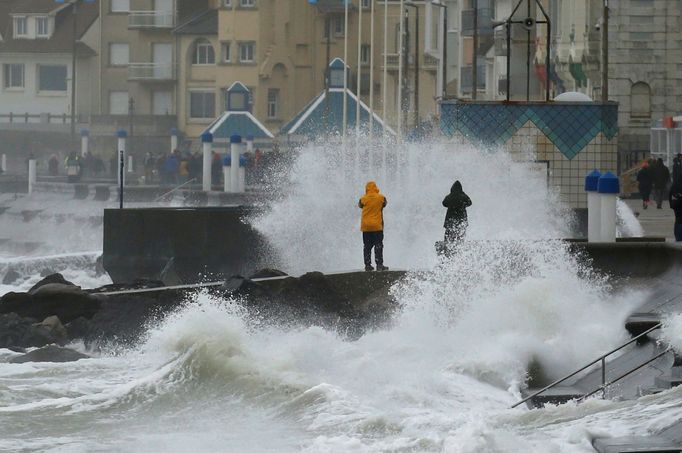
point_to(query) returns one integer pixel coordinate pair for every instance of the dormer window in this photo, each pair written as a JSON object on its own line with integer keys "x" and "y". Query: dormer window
{"x": 20, "y": 26}
{"x": 238, "y": 98}
{"x": 42, "y": 27}
{"x": 336, "y": 73}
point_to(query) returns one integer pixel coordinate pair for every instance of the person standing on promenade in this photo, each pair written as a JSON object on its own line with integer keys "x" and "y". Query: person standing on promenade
{"x": 675, "y": 199}
{"x": 661, "y": 181}
{"x": 646, "y": 180}
{"x": 372, "y": 226}
{"x": 677, "y": 168}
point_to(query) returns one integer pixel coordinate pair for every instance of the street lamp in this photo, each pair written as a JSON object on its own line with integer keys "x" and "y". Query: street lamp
{"x": 445, "y": 47}
{"x": 416, "y": 63}
{"x": 74, "y": 35}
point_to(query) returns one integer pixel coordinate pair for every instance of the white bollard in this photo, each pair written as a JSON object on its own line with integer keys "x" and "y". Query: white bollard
{"x": 609, "y": 188}
{"x": 85, "y": 142}
{"x": 3, "y": 163}
{"x": 32, "y": 167}
{"x": 207, "y": 144}
{"x": 122, "y": 134}
{"x": 249, "y": 143}
{"x": 593, "y": 207}
{"x": 174, "y": 140}
{"x": 130, "y": 164}
{"x": 235, "y": 144}
{"x": 227, "y": 185}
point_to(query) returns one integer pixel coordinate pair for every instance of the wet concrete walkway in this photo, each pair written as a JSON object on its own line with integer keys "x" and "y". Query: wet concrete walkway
{"x": 656, "y": 222}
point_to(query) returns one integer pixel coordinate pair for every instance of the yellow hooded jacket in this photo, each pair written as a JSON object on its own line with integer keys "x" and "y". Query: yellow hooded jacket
{"x": 372, "y": 205}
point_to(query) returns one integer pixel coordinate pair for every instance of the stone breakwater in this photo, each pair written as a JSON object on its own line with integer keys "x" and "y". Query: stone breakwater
{"x": 58, "y": 312}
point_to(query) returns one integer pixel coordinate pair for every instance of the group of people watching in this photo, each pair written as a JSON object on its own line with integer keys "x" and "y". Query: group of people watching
{"x": 654, "y": 177}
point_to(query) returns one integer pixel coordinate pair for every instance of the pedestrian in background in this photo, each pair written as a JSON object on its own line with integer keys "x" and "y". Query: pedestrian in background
{"x": 456, "y": 220}
{"x": 675, "y": 199}
{"x": 677, "y": 168}
{"x": 645, "y": 179}
{"x": 661, "y": 182}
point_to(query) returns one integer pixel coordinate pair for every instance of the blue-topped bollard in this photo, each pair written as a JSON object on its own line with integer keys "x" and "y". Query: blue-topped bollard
{"x": 207, "y": 148}
{"x": 242, "y": 173}
{"x": 235, "y": 145}
{"x": 85, "y": 141}
{"x": 593, "y": 206}
{"x": 608, "y": 188}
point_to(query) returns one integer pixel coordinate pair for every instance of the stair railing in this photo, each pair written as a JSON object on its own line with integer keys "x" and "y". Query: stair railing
{"x": 175, "y": 189}
{"x": 601, "y": 359}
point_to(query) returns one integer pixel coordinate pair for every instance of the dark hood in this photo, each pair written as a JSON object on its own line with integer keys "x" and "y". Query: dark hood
{"x": 456, "y": 188}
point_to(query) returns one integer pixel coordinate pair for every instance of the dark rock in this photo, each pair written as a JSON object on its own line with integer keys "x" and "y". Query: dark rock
{"x": 268, "y": 273}
{"x": 18, "y": 332}
{"x": 68, "y": 302}
{"x": 79, "y": 328}
{"x": 53, "y": 326}
{"x": 50, "y": 353}
{"x": 10, "y": 277}
{"x": 50, "y": 278}
{"x": 99, "y": 266}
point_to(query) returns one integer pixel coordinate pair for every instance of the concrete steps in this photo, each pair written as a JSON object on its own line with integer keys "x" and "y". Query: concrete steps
{"x": 556, "y": 395}
{"x": 635, "y": 444}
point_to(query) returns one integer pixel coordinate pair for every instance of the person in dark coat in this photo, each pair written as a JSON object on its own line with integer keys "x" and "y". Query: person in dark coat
{"x": 645, "y": 178}
{"x": 661, "y": 181}
{"x": 675, "y": 199}
{"x": 677, "y": 168}
{"x": 456, "y": 220}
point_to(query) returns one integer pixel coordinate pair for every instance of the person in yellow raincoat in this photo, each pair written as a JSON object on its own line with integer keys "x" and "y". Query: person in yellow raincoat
{"x": 372, "y": 226}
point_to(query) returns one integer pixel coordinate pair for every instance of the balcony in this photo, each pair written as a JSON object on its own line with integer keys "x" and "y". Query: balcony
{"x": 151, "y": 72}
{"x": 151, "y": 20}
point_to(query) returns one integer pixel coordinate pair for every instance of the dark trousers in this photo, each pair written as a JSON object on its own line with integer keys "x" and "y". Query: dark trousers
{"x": 373, "y": 240}
{"x": 658, "y": 195}
{"x": 678, "y": 232}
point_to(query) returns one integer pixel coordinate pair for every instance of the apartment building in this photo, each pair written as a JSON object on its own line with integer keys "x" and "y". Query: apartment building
{"x": 280, "y": 51}
{"x": 37, "y": 42}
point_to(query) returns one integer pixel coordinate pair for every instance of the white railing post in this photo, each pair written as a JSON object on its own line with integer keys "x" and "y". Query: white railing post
{"x": 235, "y": 144}
{"x": 207, "y": 144}
{"x": 85, "y": 141}
{"x": 174, "y": 139}
{"x": 32, "y": 168}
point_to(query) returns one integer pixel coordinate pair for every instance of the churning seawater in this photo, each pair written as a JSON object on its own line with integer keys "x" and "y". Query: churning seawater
{"x": 441, "y": 377}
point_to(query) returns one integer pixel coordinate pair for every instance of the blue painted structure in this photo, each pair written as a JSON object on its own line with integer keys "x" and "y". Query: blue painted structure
{"x": 238, "y": 119}
{"x": 569, "y": 125}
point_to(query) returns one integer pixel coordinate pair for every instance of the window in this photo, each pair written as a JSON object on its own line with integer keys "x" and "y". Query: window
{"x": 227, "y": 56}
{"x": 336, "y": 78}
{"x": 201, "y": 104}
{"x": 365, "y": 3}
{"x": 118, "y": 102}
{"x": 227, "y": 3}
{"x": 20, "y": 26}
{"x": 365, "y": 52}
{"x": 203, "y": 53}
{"x": 273, "y": 103}
{"x": 640, "y": 100}
{"x": 42, "y": 26}
{"x": 339, "y": 25}
{"x": 247, "y": 51}
{"x": 120, "y": 6}
{"x": 247, "y": 3}
{"x": 51, "y": 77}
{"x": 119, "y": 54}
{"x": 237, "y": 102}
{"x": 13, "y": 75}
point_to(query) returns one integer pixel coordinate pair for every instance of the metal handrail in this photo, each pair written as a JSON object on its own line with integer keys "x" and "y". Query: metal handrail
{"x": 601, "y": 359}
{"x": 174, "y": 189}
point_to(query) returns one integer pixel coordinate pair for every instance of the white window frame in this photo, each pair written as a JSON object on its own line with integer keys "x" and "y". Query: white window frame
{"x": 339, "y": 26}
{"x": 273, "y": 103}
{"x": 196, "y": 57}
{"x": 7, "y": 77}
{"x": 226, "y": 52}
{"x": 247, "y": 3}
{"x": 43, "y": 20}
{"x": 111, "y": 53}
{"x": 17, "y": 21}
{"x": 118, "y": 10}
{"x": 243, "y": 46}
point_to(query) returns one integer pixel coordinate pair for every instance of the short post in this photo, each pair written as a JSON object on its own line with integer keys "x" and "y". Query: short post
{"x": 593, "y": 206}
{"x": 130, "y": 164}
{"x": 121, "y": 177}
{"x": 249, "y": 143}
{"x": 174, "y": 139}
{"x": 235, "y": 144}
{"x": 608, "y": 188}
{"x": 242, "y": 174}
{"x": 121, "y": 134}
{"x": 3, "y": 163}
{"x": 31, "y": 175}
{"x": 227, "y": 162}
{"x": 207, "y": 145}
{"x": 85, "y": 141}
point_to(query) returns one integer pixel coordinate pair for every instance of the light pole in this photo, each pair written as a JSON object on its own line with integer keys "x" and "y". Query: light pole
{"x": 416, "y": 63}
{"x": 605, "y": 54}
{"x": 359, "y": 83}
{"x": 444, "y": 57}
